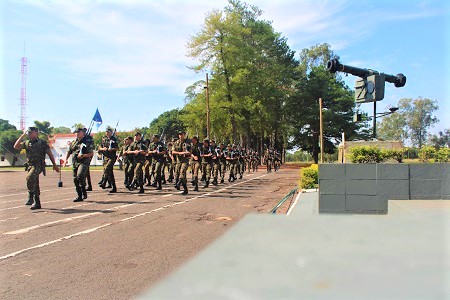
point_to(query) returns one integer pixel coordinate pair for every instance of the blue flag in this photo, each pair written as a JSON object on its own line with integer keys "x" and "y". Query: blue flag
{"x": 97, "y": 119}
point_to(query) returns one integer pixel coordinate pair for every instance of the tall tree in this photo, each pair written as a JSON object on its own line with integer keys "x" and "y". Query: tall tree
{"x": 5, "y": 125}
{"x": 253, "y": 69}
{"x": 338, "y": 105}
{"x": 412, "y": 121}
{"x": 168, "y": 124}
{"x": 440, "y": 140}
{"x": 8, "y": 136}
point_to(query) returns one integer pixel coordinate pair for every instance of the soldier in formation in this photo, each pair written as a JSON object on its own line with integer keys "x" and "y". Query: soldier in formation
{"x": 81, "y": 150}
{"x": 108, "y": 148}
{"x": 35, "y": 149}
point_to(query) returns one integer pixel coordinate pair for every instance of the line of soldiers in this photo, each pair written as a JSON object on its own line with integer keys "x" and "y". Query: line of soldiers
{"x": 144, "y": 159}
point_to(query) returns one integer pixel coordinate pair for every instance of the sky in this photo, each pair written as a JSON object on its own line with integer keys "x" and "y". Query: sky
{"x": 128, "y": 58}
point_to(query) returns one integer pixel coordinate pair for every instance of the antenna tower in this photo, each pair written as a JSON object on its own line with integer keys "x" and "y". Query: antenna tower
{"x": 23, "y": 92}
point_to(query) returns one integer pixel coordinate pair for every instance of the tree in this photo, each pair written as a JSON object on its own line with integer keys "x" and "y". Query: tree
{"x": 412, "y": 121}
{"x": 168, "y": 124}
{"x": 7, "y": 139}
{"x": 338, "y": 105}
{"x": 253, "y": 70}
{"x": 392, "y": 128}
{"x": 419, "y": 114}
{"x": 44, "y": 129}
{"x": 61, "y": 129}
{"x": 5, "y": 125}
{"x": 441, "y": 140}
{"x": 77, "y": 125}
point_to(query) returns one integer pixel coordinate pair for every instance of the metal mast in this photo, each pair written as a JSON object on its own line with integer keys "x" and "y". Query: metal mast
{"x": 23, "y": 92}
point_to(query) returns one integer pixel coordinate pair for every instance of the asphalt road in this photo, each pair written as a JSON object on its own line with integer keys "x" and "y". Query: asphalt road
{"x": 115, "y": 246}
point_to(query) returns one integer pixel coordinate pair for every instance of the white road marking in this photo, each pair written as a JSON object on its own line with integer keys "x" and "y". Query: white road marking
{"x": 105, "y": 225}
{"x": 26, "y": 193}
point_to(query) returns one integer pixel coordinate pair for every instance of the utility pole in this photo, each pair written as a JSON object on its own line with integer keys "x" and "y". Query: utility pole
{"x": 321, "y": 131}
{"x": 208, "y": 121}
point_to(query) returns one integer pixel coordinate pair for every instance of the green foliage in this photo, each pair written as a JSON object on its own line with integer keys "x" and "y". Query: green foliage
{"x": 367, "y": 154}
{"x": 309, "y": 177}
{"x": 168, "y": 124}
{"x": 442, "y": 155}
{"x": 299, "y": 156}
{"x": 61, "y": 129}
{"x": 396, "y": 154}
{"x": 253, "y": 70}
{"x": 412, "y": 121}
{"x": 7, "y": 139}
{"x": 440, "y": 140}
{"x": 427, "y": 153}
{"x": 338, "y": 105}
{"x": 4, "y": 125}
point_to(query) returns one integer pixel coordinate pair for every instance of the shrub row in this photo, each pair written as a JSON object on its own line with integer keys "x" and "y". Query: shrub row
{"x": 373, "y": 154}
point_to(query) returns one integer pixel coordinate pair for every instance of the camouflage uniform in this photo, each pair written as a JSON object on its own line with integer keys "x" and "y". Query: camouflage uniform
{"x": 195, "y": 163}
{"x": 183, "y": 160}
{"x": 80, "y": 165}
{"x": 35, "y": 151}
{"x": 128, "y": 160}
{"x": 109, "y": 159}
{"x": 231, "y": 158}
{"x": 139, "y": 160}
{"x": 222, "y": 163}
{"x": 158, "y": 158}
{"x": 206, "y": 162}
{"x": 215, "y": 162}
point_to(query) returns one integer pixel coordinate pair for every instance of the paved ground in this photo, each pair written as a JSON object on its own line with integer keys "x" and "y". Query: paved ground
{"x": 114, "y": 246}
{"x": 306, "y": 255}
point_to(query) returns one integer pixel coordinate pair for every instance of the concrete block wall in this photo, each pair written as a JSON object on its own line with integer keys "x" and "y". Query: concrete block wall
{"x": 366, "y": 188}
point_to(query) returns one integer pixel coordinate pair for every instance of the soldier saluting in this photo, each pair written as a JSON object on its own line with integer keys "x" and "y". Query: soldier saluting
{"x": 35, "y": 150}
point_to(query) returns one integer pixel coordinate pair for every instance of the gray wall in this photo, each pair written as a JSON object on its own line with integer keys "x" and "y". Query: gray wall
{"x": 366, "y": 188}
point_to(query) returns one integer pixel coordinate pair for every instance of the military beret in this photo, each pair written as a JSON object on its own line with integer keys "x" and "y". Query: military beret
{"x": 33, "y": 129}
{"x": 195, "y": 137}
{"x": 137, "y": 133}
{"x": 156, "y": 136}
{"x": 109, "y": 129}
{"x": 80, "y": 129}
{"x": 182, "y": 132}
{"x": 206, "y": 140}
{"x": 129, "y": 138}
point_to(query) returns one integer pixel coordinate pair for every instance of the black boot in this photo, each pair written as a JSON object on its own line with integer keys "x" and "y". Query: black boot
{"x": 159, "y": 185}
{"x": 114, "y": 189}
{"x": 83, "y": 192}
{"x": 185, "y": 191}
{"x": 109, "y": 184}
{"x": 89, "y": 188}
{"x": 206, "y": 184}
{"x": 196, "y": 187}
{"x": 154, "y": 184}
{"x": 214, "y": 182}
{"x": 163, "y": 179}
{"x": 30, "y": 198}
{"x": 103, "y": 184}
{"x": 141, "y": 189}
{"x": 222, "y": 180}
{"x": 80, "y": 196}
{"x": 37, "y": 203}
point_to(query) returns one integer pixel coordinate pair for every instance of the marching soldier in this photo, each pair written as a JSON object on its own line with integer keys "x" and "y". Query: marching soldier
{"x": 147, "y": 165}
{"x": 231, "y": 159}
{"x": 215, "y": 161}
{"x": 183, "y": 151}
{"x": 81, "y": 151}
{"x": 139, "y": 150}
{"x": 170, "y": 161}
{"x": 222, "y": 162}
{"x": 206, "y": 155}
{"x": 108, "y": 148}
{"x": 195, "y": 161}
{"x": 158, "y": 151}
{"x": 35, "y": 150}
{"x": 128, "y": 160}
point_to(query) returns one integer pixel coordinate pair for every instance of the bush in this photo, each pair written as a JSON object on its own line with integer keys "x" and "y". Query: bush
{"x": 442, "y": 155}
{"x": 427, "y": 153}
{"x": 309, "y": 177}
{"x": 367, "y": 154}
